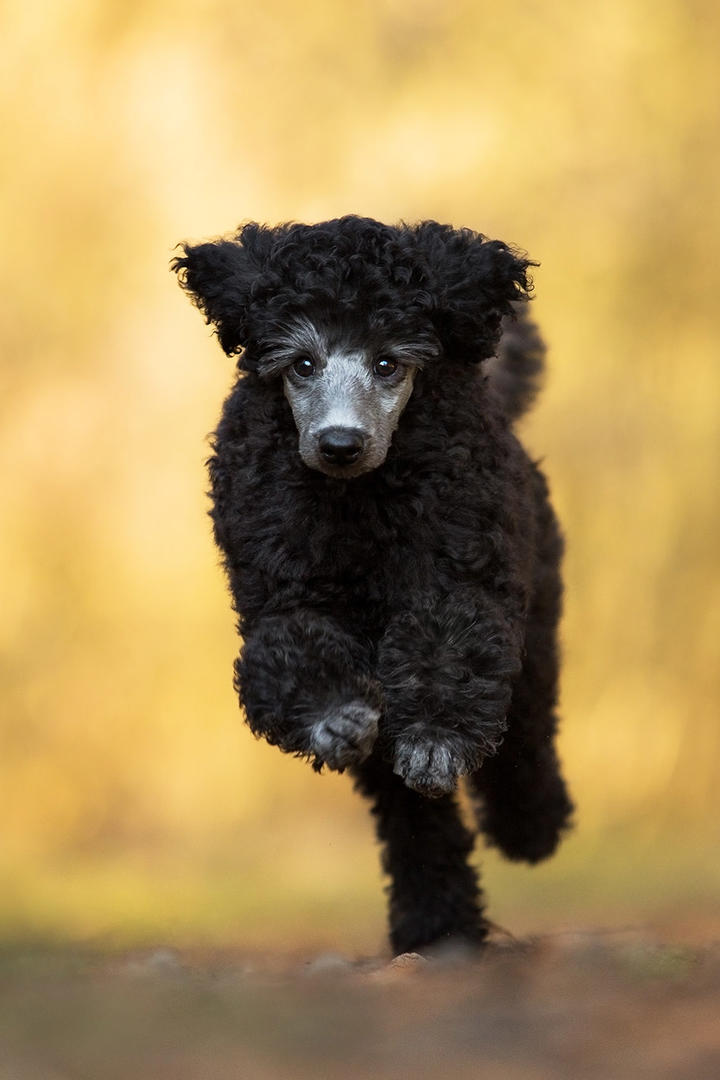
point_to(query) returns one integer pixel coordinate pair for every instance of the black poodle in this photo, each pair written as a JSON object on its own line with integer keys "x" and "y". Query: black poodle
{"x": 391, "y": 549}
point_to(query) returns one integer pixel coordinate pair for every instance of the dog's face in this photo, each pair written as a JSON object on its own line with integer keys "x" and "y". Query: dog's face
{"x": 346, "y": 312}
{"x": 346, "y": 391}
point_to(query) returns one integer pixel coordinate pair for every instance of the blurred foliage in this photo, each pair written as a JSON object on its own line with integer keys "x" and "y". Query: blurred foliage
{"x": 135, "y": 800}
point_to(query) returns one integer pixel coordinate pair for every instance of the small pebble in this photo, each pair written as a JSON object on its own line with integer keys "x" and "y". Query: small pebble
{"x": 408, "y": 960}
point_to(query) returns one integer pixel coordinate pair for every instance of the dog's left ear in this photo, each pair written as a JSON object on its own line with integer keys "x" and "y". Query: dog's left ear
{"x": 473, "y": 282}
{"x": 218, "y": 276}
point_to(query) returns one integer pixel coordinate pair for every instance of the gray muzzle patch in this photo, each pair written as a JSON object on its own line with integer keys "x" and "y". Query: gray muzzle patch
{"x": 346, "y": 401}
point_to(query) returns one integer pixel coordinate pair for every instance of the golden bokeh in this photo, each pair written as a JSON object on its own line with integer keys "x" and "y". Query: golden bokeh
{"x": 136, "y": 804}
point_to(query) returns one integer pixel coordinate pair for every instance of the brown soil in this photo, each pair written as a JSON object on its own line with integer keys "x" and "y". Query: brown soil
{"x": 578, "y": 1006}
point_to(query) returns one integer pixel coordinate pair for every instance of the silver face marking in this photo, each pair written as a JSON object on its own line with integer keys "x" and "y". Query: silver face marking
{"x": 346, "y": 400}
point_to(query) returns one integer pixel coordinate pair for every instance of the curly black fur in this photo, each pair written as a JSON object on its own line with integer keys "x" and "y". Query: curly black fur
{"x": 401, "y": 623}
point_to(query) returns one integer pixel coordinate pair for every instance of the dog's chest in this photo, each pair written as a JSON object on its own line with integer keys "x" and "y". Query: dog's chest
{"x": 373, "y": 543}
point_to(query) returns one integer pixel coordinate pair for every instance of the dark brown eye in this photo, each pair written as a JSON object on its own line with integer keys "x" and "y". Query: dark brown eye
{"x": 384, "y": 367}
{"x": 304, "y": 367}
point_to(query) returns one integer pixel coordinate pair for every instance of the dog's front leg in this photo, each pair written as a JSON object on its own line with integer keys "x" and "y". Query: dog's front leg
{"x": 447, "y": 669}
{"x": 305, "y": 684}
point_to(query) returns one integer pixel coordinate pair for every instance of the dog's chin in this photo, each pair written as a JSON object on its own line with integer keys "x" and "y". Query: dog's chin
{"x": 342, "y": 472}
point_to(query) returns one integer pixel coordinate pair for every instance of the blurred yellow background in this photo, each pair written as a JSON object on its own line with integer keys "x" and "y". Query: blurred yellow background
{"x": 136, "y": 806}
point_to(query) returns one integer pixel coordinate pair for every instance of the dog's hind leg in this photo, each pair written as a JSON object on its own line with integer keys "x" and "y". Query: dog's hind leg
{"x": 434, "y": 892}
{"x": 523, "y": 805}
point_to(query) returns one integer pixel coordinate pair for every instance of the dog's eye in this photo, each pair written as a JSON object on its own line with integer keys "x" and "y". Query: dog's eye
{"x": 385, "y": 367}
{"x": 304, "y": 367}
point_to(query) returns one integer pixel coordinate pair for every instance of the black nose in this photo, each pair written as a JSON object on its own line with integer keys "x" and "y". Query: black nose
{"x": 341, "y": 446}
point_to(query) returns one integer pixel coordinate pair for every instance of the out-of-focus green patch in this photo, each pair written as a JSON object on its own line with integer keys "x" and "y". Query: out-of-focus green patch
{"x": 664, "y": 962}
{"x": 128, "y": 901}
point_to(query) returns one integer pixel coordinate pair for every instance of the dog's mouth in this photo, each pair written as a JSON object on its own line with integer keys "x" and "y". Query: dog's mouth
{"x": 344, "y": 472}
{"x": 341, "y": 472}
{"x": 342, "y": 453}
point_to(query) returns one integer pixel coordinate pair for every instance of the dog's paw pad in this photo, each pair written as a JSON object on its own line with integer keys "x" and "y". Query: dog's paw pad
{"x": 345, "y": 734}
{"x": 429, "y": 764}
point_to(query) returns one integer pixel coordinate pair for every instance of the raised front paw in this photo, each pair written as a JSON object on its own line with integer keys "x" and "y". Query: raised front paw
{"x": 430, "y": 762}
{"x": 344, "y": 734}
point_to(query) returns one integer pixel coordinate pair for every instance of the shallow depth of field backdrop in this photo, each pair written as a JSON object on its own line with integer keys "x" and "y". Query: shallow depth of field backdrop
{"x": 136, "y": 807}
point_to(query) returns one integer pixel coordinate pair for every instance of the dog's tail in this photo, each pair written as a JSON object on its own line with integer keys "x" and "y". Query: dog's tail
{"x": 515, "y": 373}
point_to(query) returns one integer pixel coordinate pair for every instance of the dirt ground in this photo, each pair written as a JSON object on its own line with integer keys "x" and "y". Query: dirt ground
{"x": 573, "y": 1005}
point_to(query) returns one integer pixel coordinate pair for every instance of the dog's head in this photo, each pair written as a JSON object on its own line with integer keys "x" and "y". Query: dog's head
{"x": 347, "y": 313}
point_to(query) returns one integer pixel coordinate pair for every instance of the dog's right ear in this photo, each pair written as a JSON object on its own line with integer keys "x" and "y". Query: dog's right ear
{"x": 219, "y": 276}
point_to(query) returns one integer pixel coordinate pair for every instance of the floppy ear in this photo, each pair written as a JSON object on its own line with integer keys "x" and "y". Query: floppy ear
{"x": 474, "y": 282}
{"x": 219, "y": 277}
